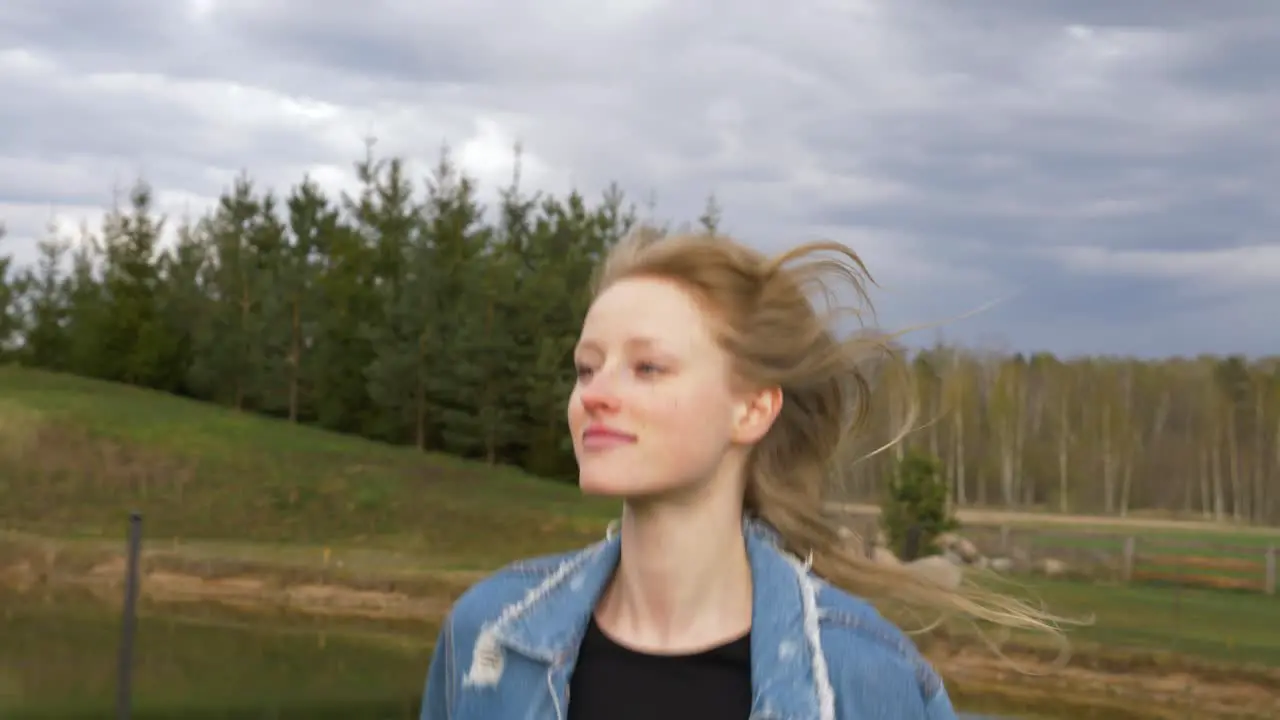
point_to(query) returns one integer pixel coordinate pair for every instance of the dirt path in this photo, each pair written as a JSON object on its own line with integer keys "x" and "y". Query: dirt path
{"x": 1012, "y": 517}
{"x": 1109, "y": 689}
{"x": 355, "y": 583}
{"x": 253, "y": 590}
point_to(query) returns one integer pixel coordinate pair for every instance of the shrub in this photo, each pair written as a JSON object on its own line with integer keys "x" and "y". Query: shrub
{"x": 916, "y": 496}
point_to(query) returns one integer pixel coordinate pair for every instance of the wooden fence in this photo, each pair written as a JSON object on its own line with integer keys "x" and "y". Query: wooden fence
{"x": 1147, "y": 558}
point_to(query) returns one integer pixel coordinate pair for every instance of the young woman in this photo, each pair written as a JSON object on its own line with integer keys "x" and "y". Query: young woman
{"x": 715, "y": 401}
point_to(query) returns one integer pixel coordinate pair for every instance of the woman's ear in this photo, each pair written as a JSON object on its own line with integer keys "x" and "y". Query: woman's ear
{"x": 755, "y": 414}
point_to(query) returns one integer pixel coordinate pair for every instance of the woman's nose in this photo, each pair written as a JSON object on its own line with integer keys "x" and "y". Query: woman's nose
{"x": 600, "y": 393}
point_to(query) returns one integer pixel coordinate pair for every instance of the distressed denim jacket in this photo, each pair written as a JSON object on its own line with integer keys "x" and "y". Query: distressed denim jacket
{"x": 507, "y": 649}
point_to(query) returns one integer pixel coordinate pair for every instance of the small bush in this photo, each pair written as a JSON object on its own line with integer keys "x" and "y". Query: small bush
{"x": 916, "y": 496}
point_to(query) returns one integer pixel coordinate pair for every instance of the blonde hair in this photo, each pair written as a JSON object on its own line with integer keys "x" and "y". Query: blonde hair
{"x": 777, "y": 337}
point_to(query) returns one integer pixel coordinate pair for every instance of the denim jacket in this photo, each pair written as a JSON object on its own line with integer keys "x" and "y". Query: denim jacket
{"x": 508, "y": 647}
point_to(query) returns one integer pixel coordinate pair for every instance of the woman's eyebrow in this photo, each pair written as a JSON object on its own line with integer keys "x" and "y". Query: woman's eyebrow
{"x": 639, "y": 342}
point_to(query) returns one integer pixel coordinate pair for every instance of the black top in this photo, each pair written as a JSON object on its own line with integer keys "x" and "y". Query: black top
{"x": 612, "y": 682}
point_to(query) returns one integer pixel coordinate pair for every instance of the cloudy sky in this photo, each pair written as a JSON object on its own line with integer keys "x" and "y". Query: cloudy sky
{"x": 1108, "y": 171}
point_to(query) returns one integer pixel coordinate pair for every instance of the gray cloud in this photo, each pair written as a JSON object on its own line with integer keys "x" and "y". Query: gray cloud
{"x": 1105, "y": 167}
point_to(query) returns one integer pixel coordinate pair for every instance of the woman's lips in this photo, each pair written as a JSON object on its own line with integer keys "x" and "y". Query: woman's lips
{"x": 604, "y": 438}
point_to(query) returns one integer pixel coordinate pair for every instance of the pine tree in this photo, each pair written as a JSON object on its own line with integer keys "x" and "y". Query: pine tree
{"x": 86, "y": 306}
{"x": 11, "y": 312}
{"x": 46, "y": 343}
{"x": 223, "y": 367}
{"x": 132, "y": 340}
{"x": 312, "y": 222}
{"x": 709, "y": 220}
{"x": 184, "y": 304}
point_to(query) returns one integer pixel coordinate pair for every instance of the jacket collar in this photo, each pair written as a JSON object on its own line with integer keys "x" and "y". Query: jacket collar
{"x": 788, "y": 668}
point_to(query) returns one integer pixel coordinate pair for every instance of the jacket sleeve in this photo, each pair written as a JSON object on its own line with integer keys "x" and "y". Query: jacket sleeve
{"x": 939, "y": 707}
{"x": 437, "y": 698}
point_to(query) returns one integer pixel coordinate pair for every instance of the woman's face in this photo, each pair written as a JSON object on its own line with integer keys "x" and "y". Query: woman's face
{"x": 653, "y": 411}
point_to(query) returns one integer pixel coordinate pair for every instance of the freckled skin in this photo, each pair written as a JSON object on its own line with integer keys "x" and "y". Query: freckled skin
{"x": 649, "y": 365}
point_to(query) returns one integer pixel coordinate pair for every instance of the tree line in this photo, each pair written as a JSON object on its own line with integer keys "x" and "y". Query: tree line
{"x": 410, "y": 313}
{"x": 1195, "y": 436}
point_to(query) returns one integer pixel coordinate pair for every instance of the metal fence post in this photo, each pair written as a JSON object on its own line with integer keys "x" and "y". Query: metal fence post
{"x": 1130, "y": 557}
{"x": 1269, "y": 582}
{"x": 129, "y": 621}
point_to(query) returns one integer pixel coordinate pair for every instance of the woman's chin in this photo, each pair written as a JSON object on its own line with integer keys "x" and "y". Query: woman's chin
{"x": 623, "y": 487}
{"x": 605, "y": 487}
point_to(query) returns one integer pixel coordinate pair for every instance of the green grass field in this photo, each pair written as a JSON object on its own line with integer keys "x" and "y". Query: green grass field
{"x": 77, "y": 455}
{"x": 1217, "y": 625}
{"x": 1228, "y": 560}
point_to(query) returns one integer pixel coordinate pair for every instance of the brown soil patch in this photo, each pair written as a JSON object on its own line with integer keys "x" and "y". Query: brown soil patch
{"x": 1111, "y": 687}
{"x": 261, "y": 591}
{"x": 20, "y": 576}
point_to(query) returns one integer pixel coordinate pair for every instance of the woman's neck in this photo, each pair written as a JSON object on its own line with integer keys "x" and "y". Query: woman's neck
{"x": 683, "y": 582}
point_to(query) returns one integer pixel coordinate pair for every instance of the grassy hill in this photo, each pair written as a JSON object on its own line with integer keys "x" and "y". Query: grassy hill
{"x": 77, "y": 455}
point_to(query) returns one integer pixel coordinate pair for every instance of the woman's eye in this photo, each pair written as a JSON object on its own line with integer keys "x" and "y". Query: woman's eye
{"x": 583, "y": 371}
{"x": 648, "y": 369}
